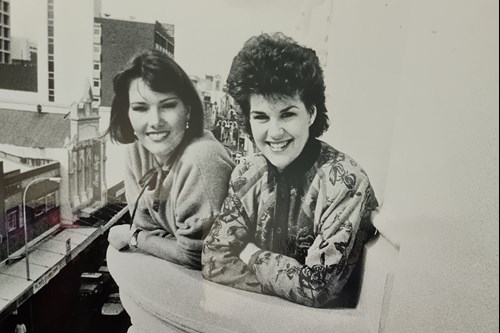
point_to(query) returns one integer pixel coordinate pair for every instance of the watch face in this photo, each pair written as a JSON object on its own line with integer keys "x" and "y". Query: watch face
{"x": 133, "y": 239}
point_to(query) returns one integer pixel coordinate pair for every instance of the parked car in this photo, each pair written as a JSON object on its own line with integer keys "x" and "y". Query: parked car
{"x": 113, "y": 306}
{"x": 92, "y": 283}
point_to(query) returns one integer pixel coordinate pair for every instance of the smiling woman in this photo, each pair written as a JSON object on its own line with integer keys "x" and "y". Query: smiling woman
{"x": 298, "y": 213}
{"x": 176, "y": 173}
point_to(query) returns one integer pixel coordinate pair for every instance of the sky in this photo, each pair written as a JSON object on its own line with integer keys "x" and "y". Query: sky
{"x": 208, "y": 33}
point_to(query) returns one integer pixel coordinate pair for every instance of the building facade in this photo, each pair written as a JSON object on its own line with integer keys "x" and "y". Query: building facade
{"x": 42, "y": 206}
{"x": 116, "y": 42}
{"x": 72, "y": 139}
{"x": 5, "y": 54}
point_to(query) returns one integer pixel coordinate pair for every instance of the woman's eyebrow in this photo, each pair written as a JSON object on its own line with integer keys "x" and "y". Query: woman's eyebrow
{"x": 168, "y": 99}
{"x": 288, "y": 108}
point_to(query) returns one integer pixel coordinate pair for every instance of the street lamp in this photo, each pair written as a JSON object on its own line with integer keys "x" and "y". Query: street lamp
{"x": 26, "y": 250}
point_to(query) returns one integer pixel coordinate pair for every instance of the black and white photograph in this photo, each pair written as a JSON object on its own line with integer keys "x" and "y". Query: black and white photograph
{"x": 249, "y": 166}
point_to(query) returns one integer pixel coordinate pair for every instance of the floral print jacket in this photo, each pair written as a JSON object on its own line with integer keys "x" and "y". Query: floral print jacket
{"x": 311, "y": 221}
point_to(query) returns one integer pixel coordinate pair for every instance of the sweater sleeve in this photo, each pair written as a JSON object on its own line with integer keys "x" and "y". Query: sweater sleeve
{"x": 342, "y": 231}
{"x": 228, "y": 236}
{"x": 136, "y": 163}
{"x": 200, "y": 189}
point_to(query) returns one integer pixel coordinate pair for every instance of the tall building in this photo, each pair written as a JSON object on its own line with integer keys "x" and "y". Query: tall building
{"x": 63, "y": 70}
{"x": 5, "y": 55}
{"x": 116, "y": 42}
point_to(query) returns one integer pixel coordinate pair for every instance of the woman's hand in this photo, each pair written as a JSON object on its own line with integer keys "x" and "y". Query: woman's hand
{"x": 119, "y": 236}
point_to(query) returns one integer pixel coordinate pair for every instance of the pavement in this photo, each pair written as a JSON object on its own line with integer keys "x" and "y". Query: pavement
{"x": 46, "y": 260}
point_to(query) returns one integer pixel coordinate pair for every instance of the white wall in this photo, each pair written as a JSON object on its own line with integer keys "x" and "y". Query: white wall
{"x": 413, "y": 93}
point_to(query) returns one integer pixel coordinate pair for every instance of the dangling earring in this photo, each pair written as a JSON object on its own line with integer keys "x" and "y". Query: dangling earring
{"x": 187, "y": 124}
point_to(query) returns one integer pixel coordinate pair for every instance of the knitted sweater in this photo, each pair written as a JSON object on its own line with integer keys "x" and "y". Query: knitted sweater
{"x": 180, "y": 203}
{"x": 311, "y": 221}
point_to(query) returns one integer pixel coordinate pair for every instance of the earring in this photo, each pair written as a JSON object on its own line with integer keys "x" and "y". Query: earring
{"x": 187, "y": 124}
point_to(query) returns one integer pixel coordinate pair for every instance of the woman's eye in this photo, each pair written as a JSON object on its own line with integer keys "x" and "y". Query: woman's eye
{"x": 139, "y": 108}
{"x": 259, "y": 117}
{"x": 168, "y": 106}
{"x": 287, "y": 115}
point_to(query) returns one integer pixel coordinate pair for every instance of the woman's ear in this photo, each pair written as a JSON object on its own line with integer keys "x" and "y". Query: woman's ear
{"x": 312, "y": 115}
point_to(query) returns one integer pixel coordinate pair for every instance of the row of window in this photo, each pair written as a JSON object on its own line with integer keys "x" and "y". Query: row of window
{"x": 4, "y": 58}
{"x": 97, "y": 63}
{"x": 13, "y": 216}
{"x": 5, "y": 19}
{"x": 50, "y": 31}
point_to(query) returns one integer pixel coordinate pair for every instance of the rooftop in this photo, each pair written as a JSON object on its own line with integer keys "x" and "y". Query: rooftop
{"x": 33, "y": 129}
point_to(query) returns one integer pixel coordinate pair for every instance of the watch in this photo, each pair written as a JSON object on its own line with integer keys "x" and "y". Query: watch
{"x": 133, "y": 238}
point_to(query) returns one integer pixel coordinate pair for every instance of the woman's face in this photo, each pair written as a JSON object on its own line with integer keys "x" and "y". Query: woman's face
{"x": 158, "y": 119}
{"x": 280, "y": 127}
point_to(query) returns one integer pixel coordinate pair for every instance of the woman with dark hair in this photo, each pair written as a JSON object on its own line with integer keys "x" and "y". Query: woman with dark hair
{"x": 176, "y": 173}
{"x": 298, "y": 213}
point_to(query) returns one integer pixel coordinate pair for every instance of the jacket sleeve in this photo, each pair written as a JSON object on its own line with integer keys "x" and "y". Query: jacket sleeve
{"x": 343, "y": 228}
{"x": 228, "y": 235}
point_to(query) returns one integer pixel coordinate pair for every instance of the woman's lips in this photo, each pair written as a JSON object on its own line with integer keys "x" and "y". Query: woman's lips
{"x": 157, "y": 136}
{"x": 279, "y": 146}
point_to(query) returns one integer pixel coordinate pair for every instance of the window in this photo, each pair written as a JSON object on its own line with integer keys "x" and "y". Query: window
{"x": 51, "y": 66}
{"x": 39, "y": 207}
{"x": 97, "y": 67}
{"x": 12, "y": 219}
{"x": 96, "y": 83}
{"x": 50, "y": 201}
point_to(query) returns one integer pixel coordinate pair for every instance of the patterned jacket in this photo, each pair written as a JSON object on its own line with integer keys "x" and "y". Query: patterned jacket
{"x": 311, "y": 221}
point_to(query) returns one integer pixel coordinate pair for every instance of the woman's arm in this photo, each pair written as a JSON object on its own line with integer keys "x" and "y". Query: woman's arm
{"x": 228, "y": 236}
{"x": 331, "y": 258}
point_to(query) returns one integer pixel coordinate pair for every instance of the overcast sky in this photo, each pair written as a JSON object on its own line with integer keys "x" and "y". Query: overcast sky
{"x": 208, "y": 32}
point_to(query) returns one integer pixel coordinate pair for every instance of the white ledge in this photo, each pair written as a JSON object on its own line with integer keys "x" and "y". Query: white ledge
{"x": 161, "y": 296}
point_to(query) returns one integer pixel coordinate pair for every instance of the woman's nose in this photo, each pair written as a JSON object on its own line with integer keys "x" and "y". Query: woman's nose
{"x": 154, "y": 117}
{"x": 275, "y": 129}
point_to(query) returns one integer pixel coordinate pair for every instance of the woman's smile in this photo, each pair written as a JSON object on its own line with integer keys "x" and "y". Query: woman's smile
{"x": 158, "y": 136}
{"x": 278, "y": 146}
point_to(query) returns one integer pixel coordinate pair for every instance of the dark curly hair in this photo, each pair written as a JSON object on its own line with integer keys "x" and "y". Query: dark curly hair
{"x": 162, "y": 74}
{"x": 276, "y": 66}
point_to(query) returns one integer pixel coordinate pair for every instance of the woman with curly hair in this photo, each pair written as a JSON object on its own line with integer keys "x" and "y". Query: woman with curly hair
{"x": 298, "y": 213}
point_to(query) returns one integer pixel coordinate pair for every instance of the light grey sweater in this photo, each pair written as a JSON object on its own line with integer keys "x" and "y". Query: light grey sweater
{"x": 183, "y": 202}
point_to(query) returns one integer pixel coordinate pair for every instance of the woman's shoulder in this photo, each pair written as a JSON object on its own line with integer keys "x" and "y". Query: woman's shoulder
{"x": 205, "y": 146}
{"x": 137, "y": 157}
{"x": 336, "y": 164}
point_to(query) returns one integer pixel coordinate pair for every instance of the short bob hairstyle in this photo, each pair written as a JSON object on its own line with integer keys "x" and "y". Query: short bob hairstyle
{"x": 162, "y": 74}
{"x": 275, "y": 66}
